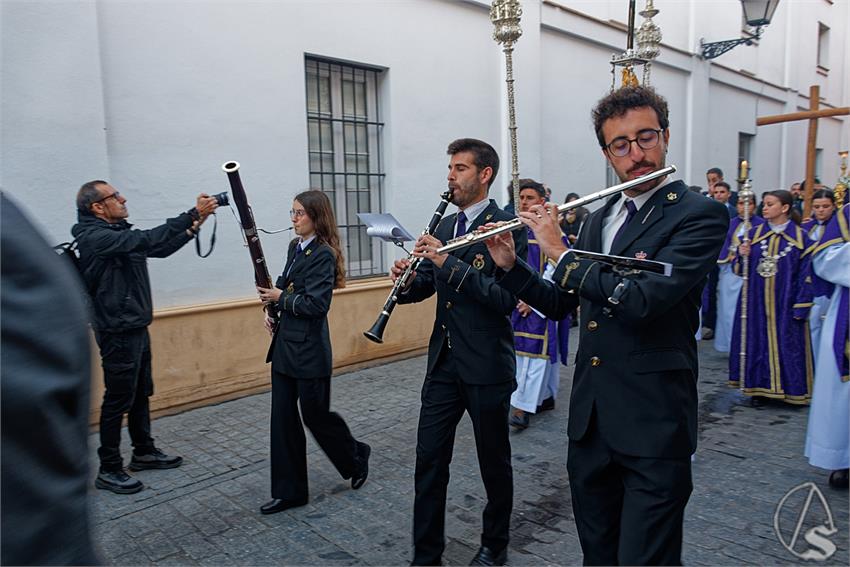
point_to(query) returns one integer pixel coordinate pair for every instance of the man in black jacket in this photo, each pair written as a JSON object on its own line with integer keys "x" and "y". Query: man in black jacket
{"x": 633, "y": 408}
{"x": 471, "y": 360}
{"x": 113, "y": 260}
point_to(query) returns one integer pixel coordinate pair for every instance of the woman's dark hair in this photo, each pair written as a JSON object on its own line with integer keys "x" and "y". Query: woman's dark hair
{"x": 318, "y": 207}
{"x": 484, "y": 154}
{"x": 824, "y": 194}
{"x": 570, "y": 197}
{"x": 786, "y": 198}
{"x": 624, "y": 99}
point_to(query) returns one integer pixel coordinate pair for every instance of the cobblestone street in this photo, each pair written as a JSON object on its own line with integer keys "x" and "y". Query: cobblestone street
{"x": 207, "y": 511}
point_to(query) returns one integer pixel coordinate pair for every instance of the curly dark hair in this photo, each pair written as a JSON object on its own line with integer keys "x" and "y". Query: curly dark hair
{"x": 624, "y": 99}
{"x": 485, "y": 155}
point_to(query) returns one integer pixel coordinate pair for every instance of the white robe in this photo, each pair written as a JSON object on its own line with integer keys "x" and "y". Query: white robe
{"x": 828, "y": 435}
{"x": 817, "y": 316}
{"x": 728, "y": 289}
{"x": 820, "y": 304}
{"x": 536, "y": 378}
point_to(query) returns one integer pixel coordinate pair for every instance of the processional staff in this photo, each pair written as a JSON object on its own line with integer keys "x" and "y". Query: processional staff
{"x": 746, "y": 193}
{"x": 505, "y": 15}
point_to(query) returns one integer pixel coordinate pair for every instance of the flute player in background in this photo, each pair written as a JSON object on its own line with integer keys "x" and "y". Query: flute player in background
{"x": 301, "y": 358}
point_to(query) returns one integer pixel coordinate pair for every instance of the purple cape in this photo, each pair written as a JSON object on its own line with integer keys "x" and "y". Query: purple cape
{"x": 535, "y": 336}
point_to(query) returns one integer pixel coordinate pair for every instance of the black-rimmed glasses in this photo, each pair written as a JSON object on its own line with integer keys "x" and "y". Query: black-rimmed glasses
{"x": 645, "y": 139}
{"x": 115, "y": 195}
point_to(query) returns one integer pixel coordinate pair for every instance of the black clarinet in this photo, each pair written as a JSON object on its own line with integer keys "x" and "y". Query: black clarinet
{"x": 249, "y": 229}
{"x": 376, "y": 331}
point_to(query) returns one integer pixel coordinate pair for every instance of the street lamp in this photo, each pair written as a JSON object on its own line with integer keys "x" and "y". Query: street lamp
{"x": 757, "y": 14}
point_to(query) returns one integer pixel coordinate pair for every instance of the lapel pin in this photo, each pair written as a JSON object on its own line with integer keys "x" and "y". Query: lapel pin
{"x": 672, "y": 196}
{"x": 307, "y": 252}
{"x": 640, "y": 255}
{"x": 478, "y": 262}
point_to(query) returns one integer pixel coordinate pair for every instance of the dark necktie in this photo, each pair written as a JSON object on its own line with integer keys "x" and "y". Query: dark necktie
{"x": 461, "y": 225}
{"x": 297, "y": 253}
{"x": 632, "y": 209}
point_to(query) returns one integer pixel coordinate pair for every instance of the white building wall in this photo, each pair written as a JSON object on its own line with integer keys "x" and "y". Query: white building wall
{"x": 155, "y": 96}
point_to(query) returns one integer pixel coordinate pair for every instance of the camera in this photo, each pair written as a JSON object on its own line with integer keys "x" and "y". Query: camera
{"x": 222, "y": 199}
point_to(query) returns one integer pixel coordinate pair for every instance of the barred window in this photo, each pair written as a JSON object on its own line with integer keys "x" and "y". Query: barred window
{"x": 344, "y": 133}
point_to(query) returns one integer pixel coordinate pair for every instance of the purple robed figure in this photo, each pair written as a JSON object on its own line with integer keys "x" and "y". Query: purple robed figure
{"x": 534, "y": 335}
{"x": 728, "y": 283}
{"x": 541, "y": 343}
{"x": 778, "y": 354}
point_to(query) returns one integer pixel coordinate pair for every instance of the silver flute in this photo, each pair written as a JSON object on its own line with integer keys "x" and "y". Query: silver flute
{"x": 511, "y": 225}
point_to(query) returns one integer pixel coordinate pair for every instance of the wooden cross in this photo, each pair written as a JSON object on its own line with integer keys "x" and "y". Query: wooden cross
{"x": 812, "y": 116}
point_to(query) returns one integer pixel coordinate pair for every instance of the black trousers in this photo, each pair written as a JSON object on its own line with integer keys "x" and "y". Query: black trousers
{"x": 289, "y": 445}
{"x": 126, "y": 359}
{"x": 628, "y": 510}
{"x": 444, "y": 399}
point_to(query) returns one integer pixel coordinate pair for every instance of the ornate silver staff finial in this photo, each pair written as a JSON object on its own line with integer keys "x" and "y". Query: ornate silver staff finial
{"x": 505, "y": 15}
{"x": 649, "y": 39}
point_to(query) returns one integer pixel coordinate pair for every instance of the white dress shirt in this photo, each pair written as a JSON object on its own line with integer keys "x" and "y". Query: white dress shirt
{"x": 472, "y": 212}
{"x": 617, "y": 214}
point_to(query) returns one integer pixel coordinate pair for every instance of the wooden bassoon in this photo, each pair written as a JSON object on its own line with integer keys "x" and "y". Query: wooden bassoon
{"x": 249, "y": 231}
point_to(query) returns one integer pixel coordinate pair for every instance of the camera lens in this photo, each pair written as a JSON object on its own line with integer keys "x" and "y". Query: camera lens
{"x": 222, "y": 199}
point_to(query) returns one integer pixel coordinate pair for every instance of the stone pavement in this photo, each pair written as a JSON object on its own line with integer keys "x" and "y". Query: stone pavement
{"x": 206, "y": 512}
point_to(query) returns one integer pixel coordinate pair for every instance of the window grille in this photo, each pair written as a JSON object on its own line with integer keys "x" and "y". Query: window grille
{"x": 344, "y": 133}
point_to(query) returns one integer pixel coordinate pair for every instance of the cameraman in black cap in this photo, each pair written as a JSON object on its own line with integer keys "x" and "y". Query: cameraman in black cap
{"x": 113, "y": 263}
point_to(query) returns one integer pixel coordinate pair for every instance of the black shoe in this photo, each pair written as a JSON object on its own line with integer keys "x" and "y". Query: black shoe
{"x": 840, "y": 479}
{"x": 519, "y": 420}
{"x": 757, "y": 402}
{"x": 547, "y": 404}
{"x": 359, "y": 478}
{"x": 154, "y": 460}
{"x": 278, "y": 505}
{"x": 707, "y": 334}
{"x": 487, "y": 556}
{"x": 118, "y": 482}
